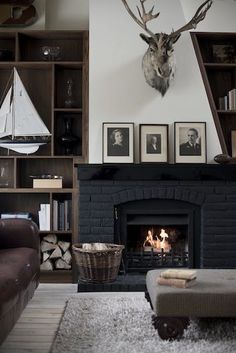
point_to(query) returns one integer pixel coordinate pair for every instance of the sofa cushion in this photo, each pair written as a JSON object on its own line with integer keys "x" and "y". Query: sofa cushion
{"x": 17, "y": 267}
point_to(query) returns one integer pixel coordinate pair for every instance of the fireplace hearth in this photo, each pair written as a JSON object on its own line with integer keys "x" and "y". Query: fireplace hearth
{"x": 194, "y": 204}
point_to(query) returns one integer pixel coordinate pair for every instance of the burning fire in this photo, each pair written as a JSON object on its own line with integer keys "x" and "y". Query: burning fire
{"x": 157, "y": 244}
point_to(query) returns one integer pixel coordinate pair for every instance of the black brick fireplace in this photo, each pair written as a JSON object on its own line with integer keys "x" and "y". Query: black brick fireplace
{"x": 196, "y": 202}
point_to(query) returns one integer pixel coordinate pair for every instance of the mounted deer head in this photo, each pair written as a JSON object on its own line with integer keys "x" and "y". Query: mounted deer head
{"x": 158, "y": 61}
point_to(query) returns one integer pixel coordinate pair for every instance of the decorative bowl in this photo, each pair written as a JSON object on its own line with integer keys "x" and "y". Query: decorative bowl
{"x": 222, "y": 158}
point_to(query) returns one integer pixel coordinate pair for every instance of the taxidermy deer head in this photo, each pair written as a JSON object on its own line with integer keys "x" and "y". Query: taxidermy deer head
{"x": 158, "y": 61}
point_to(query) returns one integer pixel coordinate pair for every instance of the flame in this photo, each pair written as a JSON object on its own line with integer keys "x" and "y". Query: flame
{"x": 157, "y": 244}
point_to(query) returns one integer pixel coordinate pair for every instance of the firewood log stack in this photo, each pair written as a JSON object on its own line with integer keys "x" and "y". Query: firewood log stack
{"x": 55, "y": 254}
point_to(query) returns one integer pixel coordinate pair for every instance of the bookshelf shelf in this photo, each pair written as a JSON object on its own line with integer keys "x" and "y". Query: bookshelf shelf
{"x": 233, "y": 112}
{"x": 64, "y": 232}
{"x": 219, "y": 66}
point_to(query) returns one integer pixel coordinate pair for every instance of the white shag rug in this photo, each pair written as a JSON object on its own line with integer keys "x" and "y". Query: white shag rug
{"x": 122, "y": 324}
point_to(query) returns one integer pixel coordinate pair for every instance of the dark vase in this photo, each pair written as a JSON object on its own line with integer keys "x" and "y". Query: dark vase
{"x": 68, "y": 140}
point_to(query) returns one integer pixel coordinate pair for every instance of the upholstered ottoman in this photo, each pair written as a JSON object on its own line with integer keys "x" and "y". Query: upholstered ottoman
{"x": 214, "y": 295}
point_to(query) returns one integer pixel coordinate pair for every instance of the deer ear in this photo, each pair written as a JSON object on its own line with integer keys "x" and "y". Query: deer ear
{"x": 145, "y": 38}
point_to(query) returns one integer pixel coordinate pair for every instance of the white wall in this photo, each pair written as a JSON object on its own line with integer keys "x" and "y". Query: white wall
{"x": 67, "y": 14}
{"x": 221, "y": 17}
{"x": 40, "y": 8}
{"x": 117, "y": 89}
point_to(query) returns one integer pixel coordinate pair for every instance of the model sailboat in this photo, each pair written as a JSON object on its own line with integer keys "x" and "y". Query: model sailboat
{"x": 21, "y": 128}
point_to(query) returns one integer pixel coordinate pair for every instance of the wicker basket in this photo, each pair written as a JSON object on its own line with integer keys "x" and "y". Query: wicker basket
{"x": 98, "y": 266}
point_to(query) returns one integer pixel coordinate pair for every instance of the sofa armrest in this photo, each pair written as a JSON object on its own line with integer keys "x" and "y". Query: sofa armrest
{"x": 16, "y": 232}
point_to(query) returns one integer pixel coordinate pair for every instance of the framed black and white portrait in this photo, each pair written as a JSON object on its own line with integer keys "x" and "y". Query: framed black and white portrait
{"x": 118, "y": 142}
{"x": 190, "y": 142}
{"x": 153, "y": 143}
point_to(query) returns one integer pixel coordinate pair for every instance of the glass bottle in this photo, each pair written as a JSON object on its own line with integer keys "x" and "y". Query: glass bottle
{"x": 69, "y": 101}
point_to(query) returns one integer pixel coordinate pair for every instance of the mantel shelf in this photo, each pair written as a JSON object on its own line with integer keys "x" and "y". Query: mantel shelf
{"x": 152, "y": 171}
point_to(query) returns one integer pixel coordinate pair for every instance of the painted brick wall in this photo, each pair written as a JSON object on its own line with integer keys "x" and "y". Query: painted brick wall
{"x": 217, "y": 200}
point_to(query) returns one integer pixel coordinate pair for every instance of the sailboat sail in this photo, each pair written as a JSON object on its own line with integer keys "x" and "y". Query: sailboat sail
{"x": 5, "y": 111}
{"x": 20, "y": 120}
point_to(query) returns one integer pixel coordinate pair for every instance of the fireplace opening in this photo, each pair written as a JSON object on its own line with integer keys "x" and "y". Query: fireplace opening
{"x": 158, "y": 233}
{"x": 156, "y": 245}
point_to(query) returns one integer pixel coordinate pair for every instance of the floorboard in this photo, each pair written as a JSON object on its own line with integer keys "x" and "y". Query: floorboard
{"x": 35, "y": 330}
{"x": 30, "y": 335}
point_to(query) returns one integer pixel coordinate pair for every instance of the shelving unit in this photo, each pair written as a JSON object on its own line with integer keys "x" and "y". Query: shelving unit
{"x": 216, "y": 55}
{"x": 45, "y": 79}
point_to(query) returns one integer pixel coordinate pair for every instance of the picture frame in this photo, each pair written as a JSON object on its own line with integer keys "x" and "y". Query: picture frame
{"x": 224, "y": 53}
{"x": 190, "y": 142}
{"x": 153, "y": 143}
{"x": 118, "y": 142}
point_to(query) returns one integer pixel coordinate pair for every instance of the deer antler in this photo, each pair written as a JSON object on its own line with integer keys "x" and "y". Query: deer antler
{"x": 144, "y": 16}
{"x": 198, "y": 17}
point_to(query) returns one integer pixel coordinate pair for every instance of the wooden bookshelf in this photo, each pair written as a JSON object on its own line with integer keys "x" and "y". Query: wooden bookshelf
{"x": 216, "y": 55}
{"x": 45, "y": 79}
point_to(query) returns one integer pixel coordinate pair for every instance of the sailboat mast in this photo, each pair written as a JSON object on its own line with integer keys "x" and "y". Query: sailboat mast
{"x": 13, "y": 104}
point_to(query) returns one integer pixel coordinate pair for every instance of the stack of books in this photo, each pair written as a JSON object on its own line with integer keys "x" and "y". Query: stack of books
{"x": 228, "y": 102}
{"x": 62, "y": 215}
{"x": 177, "y": 278}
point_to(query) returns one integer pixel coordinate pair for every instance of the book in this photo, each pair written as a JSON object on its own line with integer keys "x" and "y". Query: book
{"x": 226, "y": 103}
{"x": 223, "y": 101}
{"x": 55, "y": 214}
{"x": 44, "y": 216}
{"x": 179, "y": 273}
{"x": 176, "y": 282}
{"x": 25, "y": 215}
{"x": 67, "y": 214}
{"x": 61, "y": 214}
{"x": 231, "y": 99}
{"x": 47, "y": 183}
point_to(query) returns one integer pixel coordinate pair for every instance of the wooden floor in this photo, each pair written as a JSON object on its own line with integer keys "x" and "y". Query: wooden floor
{"x": 35, "y": 330}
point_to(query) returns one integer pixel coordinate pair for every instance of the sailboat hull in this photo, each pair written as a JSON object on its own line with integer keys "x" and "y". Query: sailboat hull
{"x": 25, "y": 148}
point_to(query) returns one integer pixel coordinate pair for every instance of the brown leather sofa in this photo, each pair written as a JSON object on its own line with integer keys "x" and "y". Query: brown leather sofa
{"x": 19, "y": 269}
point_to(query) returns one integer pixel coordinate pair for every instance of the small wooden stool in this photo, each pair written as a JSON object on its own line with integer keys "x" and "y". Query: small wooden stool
{"x": 214, "y": 295}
